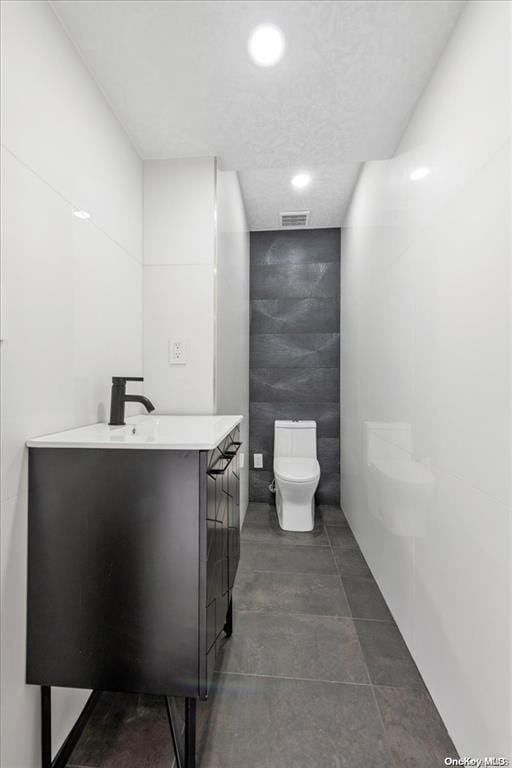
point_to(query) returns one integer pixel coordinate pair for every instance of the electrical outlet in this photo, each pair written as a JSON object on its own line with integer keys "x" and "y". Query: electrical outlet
{"x": 258, "y": 461}
{"x": 177, "y": 352}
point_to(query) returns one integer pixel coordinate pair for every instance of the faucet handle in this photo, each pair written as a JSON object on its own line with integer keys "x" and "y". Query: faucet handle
{"x": 123, "y": 379}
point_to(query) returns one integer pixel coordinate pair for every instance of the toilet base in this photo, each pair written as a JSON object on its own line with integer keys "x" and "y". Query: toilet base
{"x": 293, "y": 516}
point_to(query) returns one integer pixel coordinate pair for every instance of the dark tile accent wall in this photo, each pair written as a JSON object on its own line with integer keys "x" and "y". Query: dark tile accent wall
{"x": 295, "y": 348}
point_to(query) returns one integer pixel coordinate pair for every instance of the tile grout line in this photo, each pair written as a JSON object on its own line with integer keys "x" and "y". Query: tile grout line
{"x": 274, "y": 611}
{"x": 68, "y": 202}
{"x": 342, "y": 585}
{"x": 381, "y": 720}
{"x": 311, "y": 680}
{"x": 371, "y": 686}
{"x": 291, "y": 679}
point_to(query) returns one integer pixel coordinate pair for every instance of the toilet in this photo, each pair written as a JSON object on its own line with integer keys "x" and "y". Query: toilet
{"x": 296, "y": 474}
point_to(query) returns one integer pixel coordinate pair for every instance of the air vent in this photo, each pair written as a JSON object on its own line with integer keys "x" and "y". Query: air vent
{"x": 294, "y": 219}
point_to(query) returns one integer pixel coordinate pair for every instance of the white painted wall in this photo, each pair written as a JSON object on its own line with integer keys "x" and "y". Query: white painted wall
{"x": 426, "y": 381}
{"x": 179, "y": 282}
{"x": 232, "y": 348}
{"x": 72, "y": 307}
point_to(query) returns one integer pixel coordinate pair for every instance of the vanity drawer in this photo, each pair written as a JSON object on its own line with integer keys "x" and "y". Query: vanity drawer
{"x": 211, "y": 627}
{"x": 211, "y": 658}
{"x": 215, "y": 572}
{"x": 211, "y": 504}
{"x": 223, "y": 545}
{"x": 233, "y": 540}
{"x": 222, "y": 506}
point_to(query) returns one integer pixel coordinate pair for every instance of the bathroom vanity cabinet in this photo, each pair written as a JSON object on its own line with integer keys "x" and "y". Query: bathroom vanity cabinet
{"x": 132, "y": 554}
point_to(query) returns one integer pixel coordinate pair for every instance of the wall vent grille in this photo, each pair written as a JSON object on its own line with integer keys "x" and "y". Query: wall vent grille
{"x": 294, "y": 219}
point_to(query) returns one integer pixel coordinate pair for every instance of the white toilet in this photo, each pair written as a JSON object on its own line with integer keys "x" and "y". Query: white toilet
{"x": 296, "y": 473}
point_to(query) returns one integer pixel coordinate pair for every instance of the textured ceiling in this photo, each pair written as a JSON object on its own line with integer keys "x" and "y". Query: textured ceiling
{"x": 178, "y": 77}
{"x": 267, "y": 192}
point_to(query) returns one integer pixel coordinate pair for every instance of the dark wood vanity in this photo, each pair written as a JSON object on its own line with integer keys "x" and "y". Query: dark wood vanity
{"x": 132, "y": 557}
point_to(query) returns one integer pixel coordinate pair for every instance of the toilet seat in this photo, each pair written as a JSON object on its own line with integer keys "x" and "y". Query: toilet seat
{"x": 296, "y": 470}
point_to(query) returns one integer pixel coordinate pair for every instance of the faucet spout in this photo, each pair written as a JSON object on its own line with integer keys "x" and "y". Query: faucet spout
{"x": 146, "y": 402}
{"x": 119, "y": 398}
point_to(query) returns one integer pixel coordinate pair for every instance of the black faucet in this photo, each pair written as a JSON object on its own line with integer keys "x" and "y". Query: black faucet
{"x": 119, "y": 398}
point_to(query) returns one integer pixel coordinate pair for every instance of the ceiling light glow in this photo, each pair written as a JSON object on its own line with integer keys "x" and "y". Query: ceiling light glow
{"x": 81, "y": 214}
{"x": 266, "y": 45}
{"x": 419, "y": 173}
{"x": 301, "y": 180}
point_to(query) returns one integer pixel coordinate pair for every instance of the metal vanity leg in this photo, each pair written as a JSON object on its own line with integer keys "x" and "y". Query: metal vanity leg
{"x": 46, "y": 726}
{"x": 190, "y": 733}
{"x": 171, "y": 715}
{"x": 228, "y": 626}
{"x": 66, "y": 749}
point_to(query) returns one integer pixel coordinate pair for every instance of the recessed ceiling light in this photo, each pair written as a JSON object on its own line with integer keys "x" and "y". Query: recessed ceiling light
{"x": 266, "y": 45}
{"x": 301, "y": 180}
{"x": 82, "y": 214}
{"x": 419, "y": 173}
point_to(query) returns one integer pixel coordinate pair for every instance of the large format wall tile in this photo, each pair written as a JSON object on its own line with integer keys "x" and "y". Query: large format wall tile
{"x": 311, "y": 246}
{"x": 426, "y": 387}
{"x": 258, "y": 485}
{"x": 326, "y": 415}
{"x": 295, "y": 356}
{"x": 295, "y": 315}
{"x": 329, "y": 488}
{"x": 259, "y": 479}
{"x": 300, "y": 385}
{"x": 72, "y": 304}
{"x": 295, "y": 350}
{"x": 295, "y": 280}
{"x": 328, "y": 449}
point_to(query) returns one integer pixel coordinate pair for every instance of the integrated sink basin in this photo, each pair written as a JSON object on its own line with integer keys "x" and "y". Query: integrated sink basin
{"x": 195, "y": 433}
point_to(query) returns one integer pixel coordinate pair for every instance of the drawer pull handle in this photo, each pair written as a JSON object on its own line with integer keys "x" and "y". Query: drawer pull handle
{"x": 233, "y": 449}
{"x": 215, "y": 471}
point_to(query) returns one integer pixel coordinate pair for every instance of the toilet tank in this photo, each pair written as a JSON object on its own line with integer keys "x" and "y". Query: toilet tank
{"x": 295, "y": 439}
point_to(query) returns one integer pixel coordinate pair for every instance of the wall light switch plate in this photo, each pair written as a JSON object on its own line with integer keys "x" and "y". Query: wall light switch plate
{"x": 242, "y": 460}
{"x": 258, "y": 461}
{"x": 177, "y": 351}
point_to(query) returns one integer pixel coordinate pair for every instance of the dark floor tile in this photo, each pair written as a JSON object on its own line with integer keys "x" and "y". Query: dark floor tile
{"x": 275, "y": 557}
{"x": 274, "y": 534}
{"x": 365, "y": 599}
{"x": 341, "y": 537}
{"x": 351, "y": 562}
{"x": 255, "y": 722}
{"x": 260, "y": 513}
{"x": 319, "y": 594}
{"x": 387, "y": 656}
{"x": 123, "y": 731}
{"x": 332, "y": 514}
{"x": 416, "y": 734}
{"x": 288, "y": 645}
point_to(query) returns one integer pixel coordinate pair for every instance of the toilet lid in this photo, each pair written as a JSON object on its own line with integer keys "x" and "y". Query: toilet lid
{"x": 297, "y": 470}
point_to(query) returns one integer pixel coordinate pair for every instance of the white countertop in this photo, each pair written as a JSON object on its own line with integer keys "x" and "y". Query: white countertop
{"x": 193, "y": 433}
